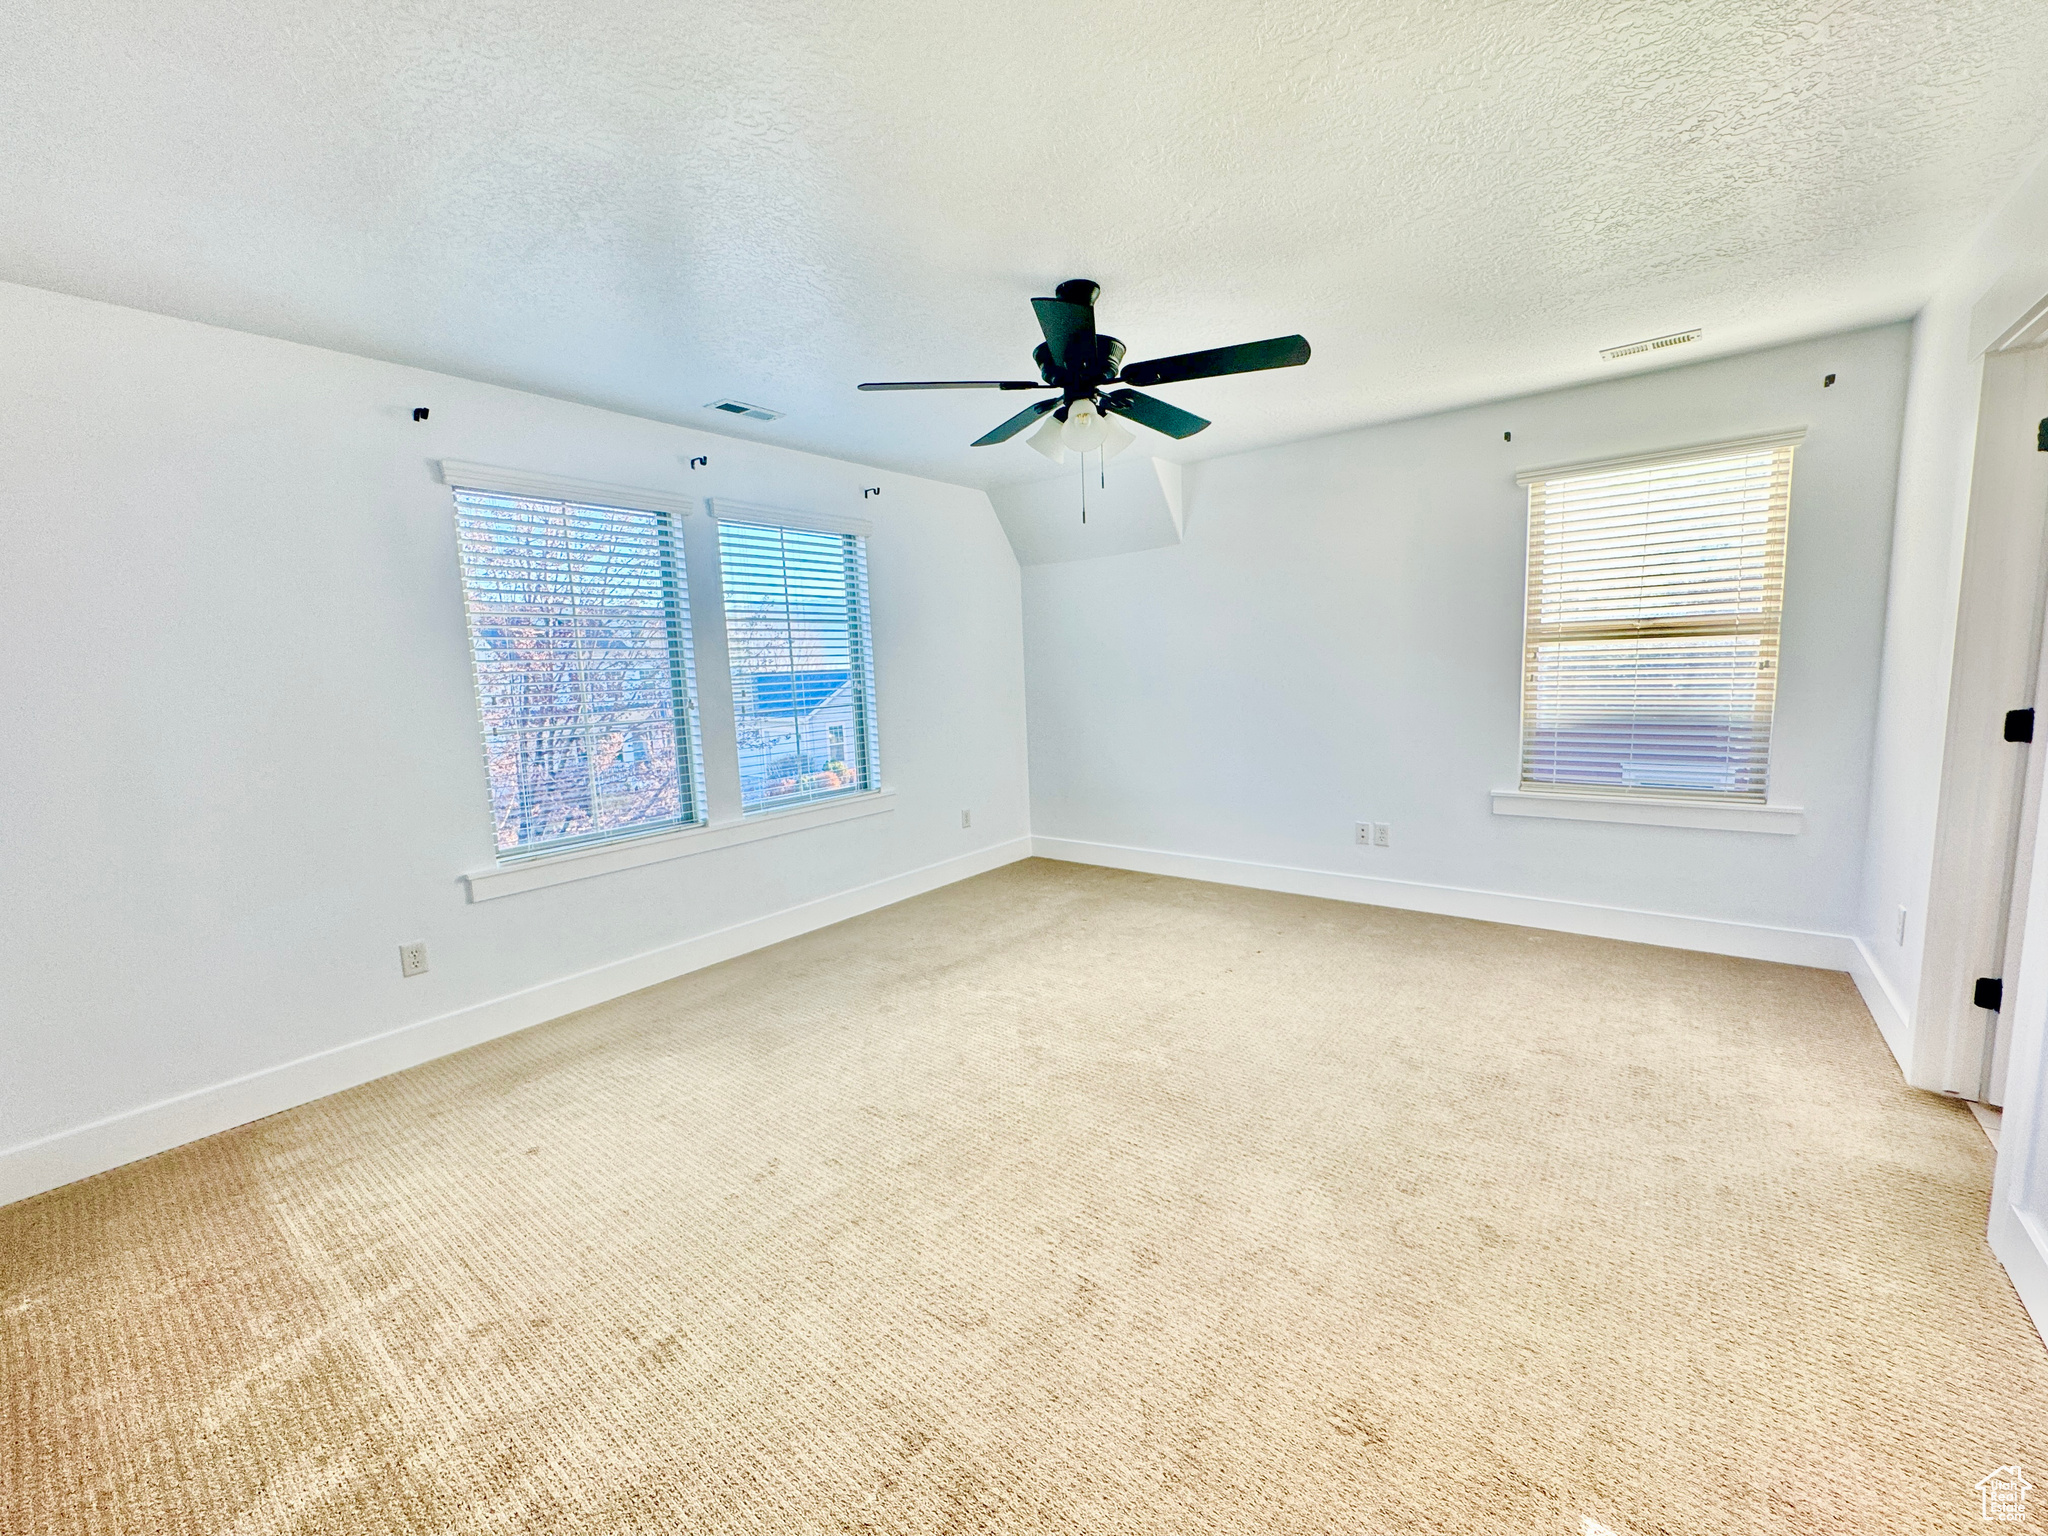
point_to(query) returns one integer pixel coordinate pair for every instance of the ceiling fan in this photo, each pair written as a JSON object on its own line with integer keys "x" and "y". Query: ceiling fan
{"x": 1084, "y": 365}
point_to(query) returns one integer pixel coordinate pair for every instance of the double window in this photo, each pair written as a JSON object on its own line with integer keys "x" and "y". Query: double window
{"x": 579, "y": 629}
{"x": 1650, "y": 653}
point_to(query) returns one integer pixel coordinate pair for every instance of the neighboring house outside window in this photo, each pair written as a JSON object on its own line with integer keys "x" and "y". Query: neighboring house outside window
{"x": 1655, "y": 590}
{"x": 796, "y": 616}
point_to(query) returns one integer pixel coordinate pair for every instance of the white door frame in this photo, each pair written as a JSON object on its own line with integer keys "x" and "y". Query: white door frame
{"x": 2014, "y": 1061}
{"x": 2018, "y": 1227}
{"x": 1972, "y": 927}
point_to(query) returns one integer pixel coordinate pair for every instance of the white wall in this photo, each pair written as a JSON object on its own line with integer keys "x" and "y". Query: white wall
{"x": 243, "y": 759}
{"x": 2003, "y": 271}
{"x": 1338, "y": 638}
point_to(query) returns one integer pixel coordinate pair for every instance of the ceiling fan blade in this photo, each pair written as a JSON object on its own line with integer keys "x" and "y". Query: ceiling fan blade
{"x": 1016, "y": 423}
{"x": 1247, "y": 357}
{"x": 1156, "y": 414}
{"x": 966, "y": 384}
{"x": 1069, "y": 330}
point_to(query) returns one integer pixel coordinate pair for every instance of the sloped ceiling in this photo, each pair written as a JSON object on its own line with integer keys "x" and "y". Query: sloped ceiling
{"x": 647, "y": 206}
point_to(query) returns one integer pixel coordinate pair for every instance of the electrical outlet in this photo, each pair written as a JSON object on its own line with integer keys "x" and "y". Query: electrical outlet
{"x": 412, "y": 959}
{"x": 1364, "y": 834}
{"x": 1379, "y": 834}
{"x": 966, "y": 820}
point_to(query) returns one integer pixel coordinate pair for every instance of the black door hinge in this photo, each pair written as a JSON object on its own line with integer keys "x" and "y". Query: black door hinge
{"x": 1990, "y": 992}
{"x": 2019, "y": 725}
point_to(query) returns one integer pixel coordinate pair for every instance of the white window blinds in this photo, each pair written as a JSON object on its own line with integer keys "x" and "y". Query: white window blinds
{"x": 1650, "y": 660}
{"x": 803, "y": 685}
{"x": 579, "y": 630}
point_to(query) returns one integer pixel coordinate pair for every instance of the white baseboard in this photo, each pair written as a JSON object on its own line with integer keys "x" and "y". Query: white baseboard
{"x": 1894, "y": 1021}
{"x": 1751, "y": 941}
{"x": 35, "y": 1166}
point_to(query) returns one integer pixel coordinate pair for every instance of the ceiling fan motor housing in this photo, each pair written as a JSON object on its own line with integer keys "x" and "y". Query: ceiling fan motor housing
{"x": 1086, "y": 380}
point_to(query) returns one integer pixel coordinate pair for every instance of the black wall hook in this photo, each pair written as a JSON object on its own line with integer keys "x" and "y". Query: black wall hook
{"x": 872, "y": 490}
{"x": 419, "y": 413}
{"x": 700, "y": 461}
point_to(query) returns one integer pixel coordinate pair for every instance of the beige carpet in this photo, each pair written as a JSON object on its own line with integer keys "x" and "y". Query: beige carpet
{"x": 1060, "y": 1200}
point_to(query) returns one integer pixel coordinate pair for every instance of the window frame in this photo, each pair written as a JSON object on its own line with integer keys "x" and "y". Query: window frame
{"x": 723, "y": 510}
{"x": 1592, "y": 800}
{"x": 667, "y": 508}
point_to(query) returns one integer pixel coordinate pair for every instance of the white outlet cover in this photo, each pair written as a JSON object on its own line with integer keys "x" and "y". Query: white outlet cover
{"x": 412, "y": 959}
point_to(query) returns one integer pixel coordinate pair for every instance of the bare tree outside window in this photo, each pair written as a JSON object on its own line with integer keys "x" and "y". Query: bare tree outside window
{"x": 578, "y": 630}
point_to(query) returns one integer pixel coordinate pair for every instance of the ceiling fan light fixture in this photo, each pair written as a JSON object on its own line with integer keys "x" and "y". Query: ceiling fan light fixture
{"x": 1084, "y": 429}
{"x": 1047, "y": 440}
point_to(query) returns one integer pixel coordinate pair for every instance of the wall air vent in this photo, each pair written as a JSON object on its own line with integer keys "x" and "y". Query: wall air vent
{"x": 741, "y": 408}
{"x": 1637, "y": 348}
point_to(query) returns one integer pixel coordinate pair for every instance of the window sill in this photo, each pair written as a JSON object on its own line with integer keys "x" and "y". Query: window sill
{"x": 582, "y": 863}
{"x": 1711, "y": 815}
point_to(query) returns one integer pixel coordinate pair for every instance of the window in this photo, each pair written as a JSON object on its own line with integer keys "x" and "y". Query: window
{"x": 803, "y": 685}
{"x": 579, "y": 630}
{"x": 1650, "y": 657}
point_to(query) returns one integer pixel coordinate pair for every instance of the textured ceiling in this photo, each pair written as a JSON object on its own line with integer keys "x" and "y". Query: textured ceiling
{"x": 647, "y": 206}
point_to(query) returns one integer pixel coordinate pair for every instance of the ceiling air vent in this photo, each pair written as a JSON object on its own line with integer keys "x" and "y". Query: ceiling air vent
{"x": 1637, "y": 348}
{"x": 741, "y": 408}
